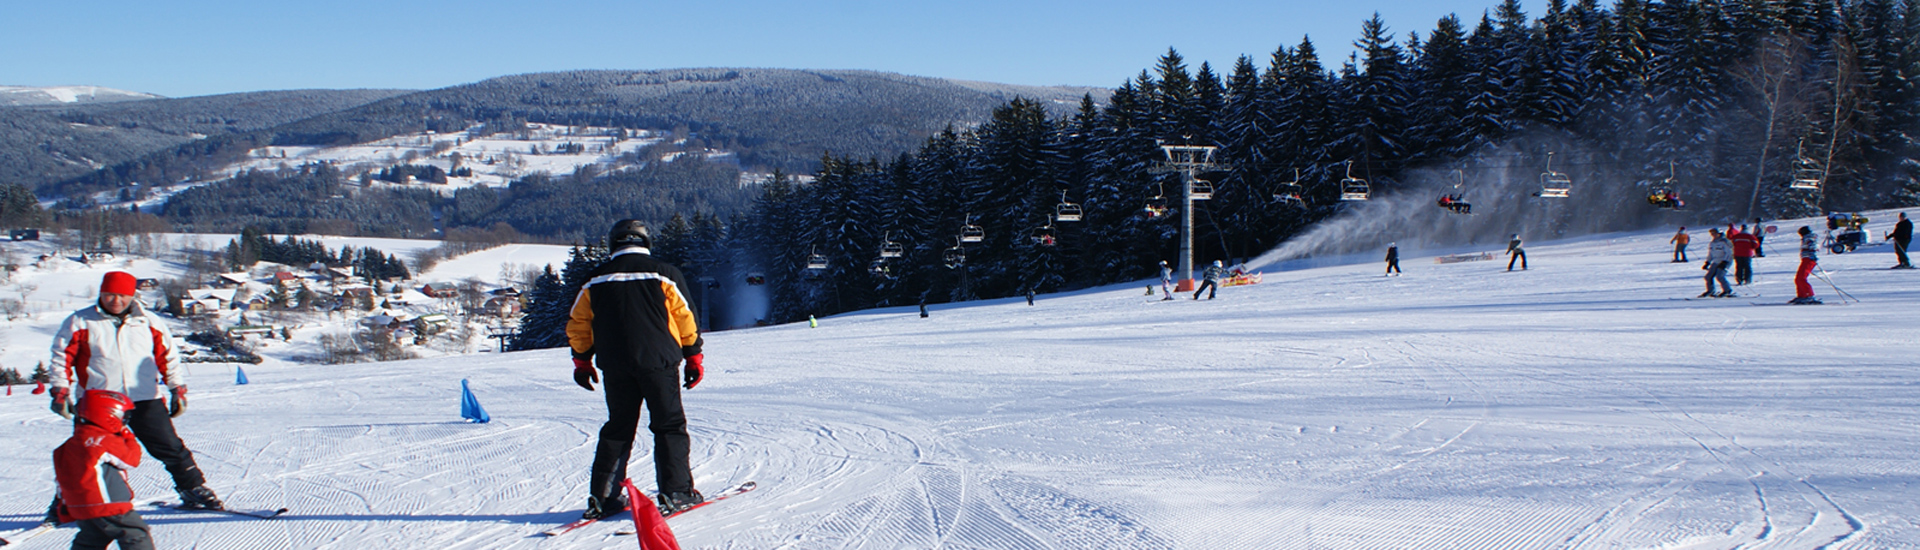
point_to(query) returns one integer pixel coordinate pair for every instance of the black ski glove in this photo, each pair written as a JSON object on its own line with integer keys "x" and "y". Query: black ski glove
{"x": 583, "y": 374}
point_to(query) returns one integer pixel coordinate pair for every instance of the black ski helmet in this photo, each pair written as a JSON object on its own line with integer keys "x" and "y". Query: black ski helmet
{"x": 1804, "y": 230}
{"x": 628, "y": 233}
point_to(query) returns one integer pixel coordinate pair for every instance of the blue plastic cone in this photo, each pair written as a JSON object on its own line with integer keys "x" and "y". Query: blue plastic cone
{"x": 239, "y": 376}
{"x": 470, "y": 406}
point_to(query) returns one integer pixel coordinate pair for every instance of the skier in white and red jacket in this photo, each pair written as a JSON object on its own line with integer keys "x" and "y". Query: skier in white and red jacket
{"x": 117, "y": 345}
{"x": 91, "y": 468}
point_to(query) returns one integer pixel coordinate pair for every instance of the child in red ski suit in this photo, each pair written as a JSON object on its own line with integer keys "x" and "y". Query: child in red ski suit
{"x": 91, "y": 468}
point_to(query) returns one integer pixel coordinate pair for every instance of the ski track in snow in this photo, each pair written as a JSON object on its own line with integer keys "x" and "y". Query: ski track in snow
{"x": 1569, "y": 406}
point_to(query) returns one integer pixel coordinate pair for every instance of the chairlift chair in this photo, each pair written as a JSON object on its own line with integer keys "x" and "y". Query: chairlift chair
{"x": 756, "y": 278}
{"x": 1157, "y": 204}
{"x": 1554, "y": 184}
{"x": 1455, "y": 202}
{"x": 1806, "y": 173}
{"x": 890, "y": 249}
{"x": 816, "y": 261}
{"x": 1066, "y": 211}
{"x": 1665, "y": 196}
{"x": 1354, "y": 189}
{"x": 1289, "y": 192}
{"x": 970, "y": 233}
{"x": 1042, "y": 235}
{"x": 955, "y": 257}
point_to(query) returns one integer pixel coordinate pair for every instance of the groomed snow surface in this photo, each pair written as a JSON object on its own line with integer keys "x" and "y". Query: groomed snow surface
{"x": 1577, "y": 404}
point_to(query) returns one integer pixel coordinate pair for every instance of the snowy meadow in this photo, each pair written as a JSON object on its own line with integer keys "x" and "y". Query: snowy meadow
{"x": 1581, "y": 403}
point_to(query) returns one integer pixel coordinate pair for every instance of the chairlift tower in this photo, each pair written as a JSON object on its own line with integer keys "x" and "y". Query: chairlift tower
{"x": 1189, "y": 161}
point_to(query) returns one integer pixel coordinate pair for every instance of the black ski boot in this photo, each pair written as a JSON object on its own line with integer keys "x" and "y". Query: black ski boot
{"x": 606, "y": 495}
{"x": 200, "y": 498}
{"x": 677, "y": 502}
{"x": 599, "y": 508}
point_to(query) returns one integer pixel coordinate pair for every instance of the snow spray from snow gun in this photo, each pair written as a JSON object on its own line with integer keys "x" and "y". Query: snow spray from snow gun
{"x": 470, "y": 406}
{"x": 1500, "y": 185}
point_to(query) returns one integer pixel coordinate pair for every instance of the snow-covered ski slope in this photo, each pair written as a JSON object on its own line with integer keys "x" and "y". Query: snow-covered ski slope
{"x": 1578, "y": 404}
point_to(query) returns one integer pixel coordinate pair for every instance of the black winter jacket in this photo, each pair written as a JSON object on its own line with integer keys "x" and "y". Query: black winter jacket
{"x": 632, "y": 316}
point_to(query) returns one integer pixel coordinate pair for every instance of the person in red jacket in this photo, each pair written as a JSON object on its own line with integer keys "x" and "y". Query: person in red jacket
{"x": 1745, "y": 244}
{"x": 91, "y": 468}
{"x": 117, "y": 345}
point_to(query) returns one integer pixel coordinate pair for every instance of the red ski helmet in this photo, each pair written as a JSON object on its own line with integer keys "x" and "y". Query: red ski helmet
{"x": 104, "y": 408}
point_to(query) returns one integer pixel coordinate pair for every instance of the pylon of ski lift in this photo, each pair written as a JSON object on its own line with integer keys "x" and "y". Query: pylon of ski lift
{"x": 1066, "y": 211}
{"x": 1554, "y": 184}
{"x": 1354, "y": 189}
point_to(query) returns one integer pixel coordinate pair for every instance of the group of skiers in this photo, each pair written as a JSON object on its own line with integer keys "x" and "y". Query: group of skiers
{"x": 114, "y": 377}
{"x": 1210, "y": 281}
{"x": 1738, "y": 246}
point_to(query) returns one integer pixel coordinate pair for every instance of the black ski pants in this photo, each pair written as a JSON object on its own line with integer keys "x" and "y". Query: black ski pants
{"x": 1742, "y": 270}
{"x": 1209, "y": 287}
{"x": 659, "y": 391}
{"x": 154, "y": 428}
{"x": 127, "y": 529}
{"x": 1393, "y": 266}
{"x": 1900, "y": 250}
{"x": 1517, "y": 256}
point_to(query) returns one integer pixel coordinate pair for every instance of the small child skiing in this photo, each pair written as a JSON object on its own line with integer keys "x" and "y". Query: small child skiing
{"x": 91, "y": 469}
{"x": 1809, "y": 258}
{"x": 1680, "y": 241}
{"x": 1393, "y": 259}
{"x": 1166, "y": 281}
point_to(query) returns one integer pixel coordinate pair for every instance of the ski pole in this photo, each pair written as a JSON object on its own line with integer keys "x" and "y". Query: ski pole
{"x": 1836, "y": 288}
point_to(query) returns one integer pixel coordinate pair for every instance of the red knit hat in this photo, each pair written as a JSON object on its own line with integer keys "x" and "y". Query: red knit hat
{"x": 119, "y": 282}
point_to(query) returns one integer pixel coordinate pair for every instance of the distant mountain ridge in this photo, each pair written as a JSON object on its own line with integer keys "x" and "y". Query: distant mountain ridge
{"x": 48, "y": 143}
{"x": 11, "y": 96}
{"x": 773, "y": 118}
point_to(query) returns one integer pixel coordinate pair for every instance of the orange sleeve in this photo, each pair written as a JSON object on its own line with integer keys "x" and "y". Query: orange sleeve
{"x": 680, "y": 318}
{"x": 580, "y": 325}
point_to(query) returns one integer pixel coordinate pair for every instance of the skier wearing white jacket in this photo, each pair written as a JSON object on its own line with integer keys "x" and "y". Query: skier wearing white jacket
{"x": 117, "y": 345}
{"x": 1719, "y": 256}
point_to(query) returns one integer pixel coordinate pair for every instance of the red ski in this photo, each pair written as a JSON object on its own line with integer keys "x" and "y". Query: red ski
{"x": 731, "y": 492}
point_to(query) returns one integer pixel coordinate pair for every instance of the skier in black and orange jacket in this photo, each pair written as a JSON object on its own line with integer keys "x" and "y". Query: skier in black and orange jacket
{"x": 91, "y": 468}
{"x": 632, "y": 318}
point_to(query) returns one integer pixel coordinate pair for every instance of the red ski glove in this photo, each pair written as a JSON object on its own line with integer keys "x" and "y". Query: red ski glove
{"x": 179, "y": 405}
{"x": 583, "y": 373}
{"x": 695, "y": 371}
{"x": 60, "y": 405}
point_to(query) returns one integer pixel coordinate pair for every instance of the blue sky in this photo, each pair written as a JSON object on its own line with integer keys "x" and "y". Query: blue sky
{"x": 189, "y": 47}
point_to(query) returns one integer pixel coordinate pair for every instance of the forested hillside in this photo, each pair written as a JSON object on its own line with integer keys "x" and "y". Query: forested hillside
{"x": 774, "y": 118}
{"x": 43, "y": 145}
{"x": 1721, "y": 100}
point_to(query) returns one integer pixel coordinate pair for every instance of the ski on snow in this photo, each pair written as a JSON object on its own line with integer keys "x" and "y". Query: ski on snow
{"x": 22, "y": 535}
{"x": 723, "y": 495}
{"x": 731, "y": 492}
{"x": 255, "y": 514}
